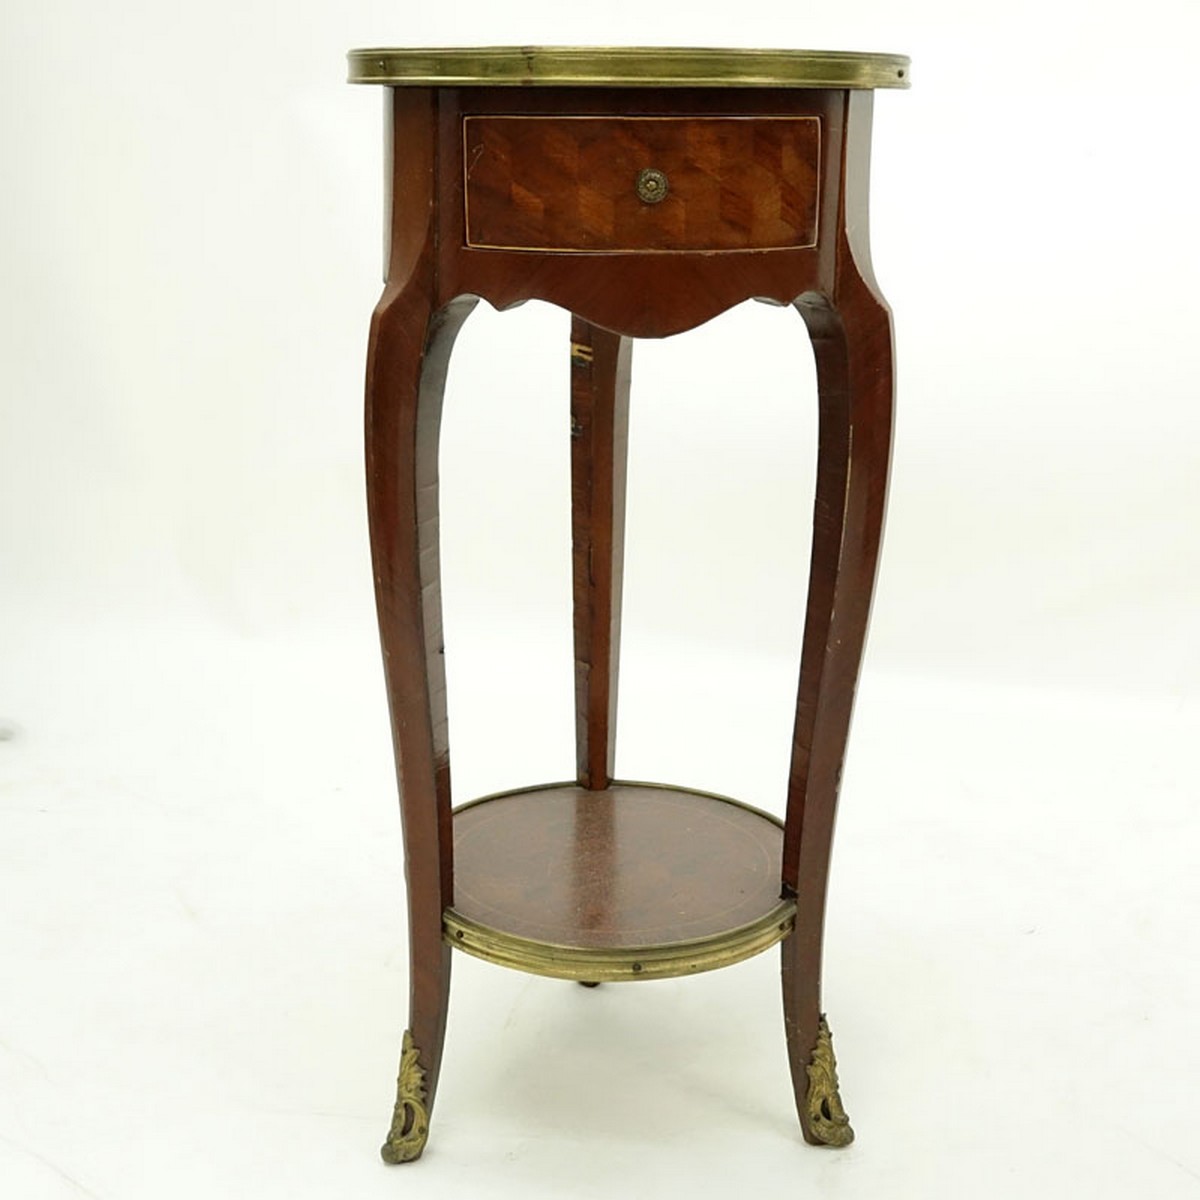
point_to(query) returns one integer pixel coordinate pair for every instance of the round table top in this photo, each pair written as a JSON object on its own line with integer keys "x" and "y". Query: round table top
{"x": 625, "y": 66}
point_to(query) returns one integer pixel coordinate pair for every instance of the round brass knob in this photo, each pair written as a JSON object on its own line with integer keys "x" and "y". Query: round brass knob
{"x": 652, "y": 186}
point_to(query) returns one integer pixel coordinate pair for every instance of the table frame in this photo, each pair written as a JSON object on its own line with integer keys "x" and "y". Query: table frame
{"x": 432, "y": 282}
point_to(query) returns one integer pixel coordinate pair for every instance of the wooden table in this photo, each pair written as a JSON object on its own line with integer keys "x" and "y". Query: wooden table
{"x": 645, "y": 191}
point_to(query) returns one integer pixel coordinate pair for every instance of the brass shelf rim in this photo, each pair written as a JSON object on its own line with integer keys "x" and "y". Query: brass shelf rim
{"x": 614, "y": 964}
{"x": 624, "y": 66}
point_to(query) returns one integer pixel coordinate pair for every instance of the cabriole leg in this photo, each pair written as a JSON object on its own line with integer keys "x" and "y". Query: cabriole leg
{"x": 853, "y": 348}
{"x": 406, "y": 372}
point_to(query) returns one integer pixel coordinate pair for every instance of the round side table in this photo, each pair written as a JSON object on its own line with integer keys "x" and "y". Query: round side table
{"x": 645, "y": 191}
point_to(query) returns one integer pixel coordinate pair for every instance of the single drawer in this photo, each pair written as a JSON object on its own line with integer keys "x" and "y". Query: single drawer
{"x": 641, "y": 184}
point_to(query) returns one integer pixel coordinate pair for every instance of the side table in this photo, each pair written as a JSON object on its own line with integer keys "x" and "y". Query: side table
{"x": 645, "y": 191}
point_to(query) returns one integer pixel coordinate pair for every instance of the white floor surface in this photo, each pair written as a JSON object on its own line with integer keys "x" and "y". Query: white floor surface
{"x": 203, "y": 969}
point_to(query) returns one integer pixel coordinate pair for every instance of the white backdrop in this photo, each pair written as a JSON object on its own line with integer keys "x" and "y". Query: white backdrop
{"x": 202, "y": 967}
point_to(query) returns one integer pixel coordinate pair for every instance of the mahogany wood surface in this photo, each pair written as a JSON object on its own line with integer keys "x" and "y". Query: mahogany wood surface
{"x": 599, "y": 447}
{"x": 626, "y": 867}
{"x": 407, "y": 359}
{"x": 639, "y": 295}
{"x": 851, "y": 331}
{"x": 601, "y": 870}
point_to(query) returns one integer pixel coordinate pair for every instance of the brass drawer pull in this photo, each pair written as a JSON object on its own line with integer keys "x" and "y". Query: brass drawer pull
{"x": 652, "y": 186}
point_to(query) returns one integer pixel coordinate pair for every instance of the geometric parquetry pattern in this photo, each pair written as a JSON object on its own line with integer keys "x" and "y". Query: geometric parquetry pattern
{"x": 569, "y": 184}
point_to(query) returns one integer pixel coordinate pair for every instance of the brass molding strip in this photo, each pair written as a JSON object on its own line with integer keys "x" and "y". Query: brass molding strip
{"x": 614, "y": 964}
{"x": 624, "y": 66}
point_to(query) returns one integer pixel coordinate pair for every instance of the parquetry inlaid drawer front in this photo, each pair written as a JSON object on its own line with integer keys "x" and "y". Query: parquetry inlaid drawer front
{"x": 641, "y": 184}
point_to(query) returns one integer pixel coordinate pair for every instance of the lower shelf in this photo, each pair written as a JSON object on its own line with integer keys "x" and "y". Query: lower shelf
{"x": 638, "y": 881}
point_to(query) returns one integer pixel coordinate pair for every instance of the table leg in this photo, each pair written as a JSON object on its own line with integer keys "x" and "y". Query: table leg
{"x": 406, "y": 372}
{"x": 599, "y": 438}
{"x": 852, "y": 342}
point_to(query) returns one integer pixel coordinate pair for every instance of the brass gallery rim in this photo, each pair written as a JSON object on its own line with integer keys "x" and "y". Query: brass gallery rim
{"x": 610, "y": 964}
{"x": 624, "y": 66}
